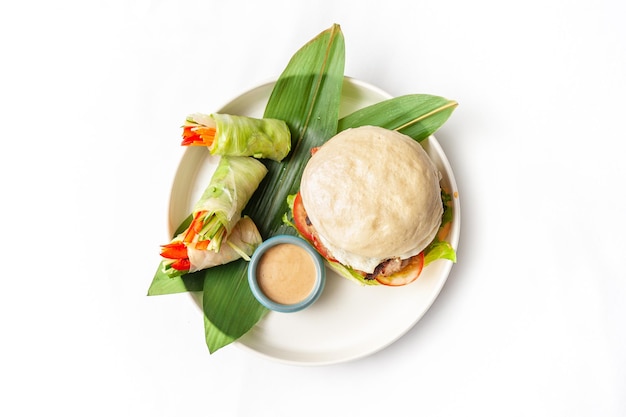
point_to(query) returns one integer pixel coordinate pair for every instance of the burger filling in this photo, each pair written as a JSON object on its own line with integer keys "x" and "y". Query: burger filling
{"x": 384, "y": 270}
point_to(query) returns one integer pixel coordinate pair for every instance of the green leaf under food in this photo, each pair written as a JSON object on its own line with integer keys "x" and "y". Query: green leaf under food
{"x": 232, "y": 308}
{"x": 162, "y": 284}
{"x": 215, "y": 338}
{"x": 415, "y": 115}
{"x": 306, "y": 96}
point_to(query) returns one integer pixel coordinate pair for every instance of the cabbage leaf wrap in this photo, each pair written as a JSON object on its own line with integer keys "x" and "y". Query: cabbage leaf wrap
{"x": 219, "y": 208}
{"x": 226, "y": 134}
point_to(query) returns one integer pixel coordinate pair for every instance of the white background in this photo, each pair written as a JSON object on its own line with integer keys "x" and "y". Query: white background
{"x": 532, "y": 318}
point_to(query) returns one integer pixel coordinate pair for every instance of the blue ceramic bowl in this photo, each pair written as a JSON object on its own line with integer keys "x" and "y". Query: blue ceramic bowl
{"x": 320, "y": 274}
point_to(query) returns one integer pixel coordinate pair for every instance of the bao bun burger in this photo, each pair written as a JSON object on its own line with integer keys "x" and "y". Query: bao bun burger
{"x": 370, "y": 201}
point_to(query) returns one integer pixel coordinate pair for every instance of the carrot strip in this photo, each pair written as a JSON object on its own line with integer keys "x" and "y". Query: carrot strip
{"x": 198, "y": 136}
{"x": 195, "y": 227}
{"x": 202, "y": 244}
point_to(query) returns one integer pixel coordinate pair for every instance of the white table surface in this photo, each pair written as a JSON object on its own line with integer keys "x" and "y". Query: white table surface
{"x": 532, "y": 320}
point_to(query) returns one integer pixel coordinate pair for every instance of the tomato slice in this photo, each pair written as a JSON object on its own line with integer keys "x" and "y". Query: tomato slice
{"x": 306, "y": 229}
{"x": 299, "y": 219}
{"x": 406, "y": 275}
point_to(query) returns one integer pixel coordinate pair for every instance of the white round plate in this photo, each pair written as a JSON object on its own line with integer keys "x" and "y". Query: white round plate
{"x": 348, "y": 321}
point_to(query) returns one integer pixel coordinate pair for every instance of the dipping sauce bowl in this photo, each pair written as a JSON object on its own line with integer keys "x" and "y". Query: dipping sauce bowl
{"x": 286, "y": 274}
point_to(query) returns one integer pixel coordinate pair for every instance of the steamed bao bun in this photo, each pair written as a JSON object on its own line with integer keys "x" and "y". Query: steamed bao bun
{"x": 372, "y": 194}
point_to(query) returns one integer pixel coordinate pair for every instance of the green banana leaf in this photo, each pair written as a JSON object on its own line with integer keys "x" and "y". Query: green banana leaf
{"x": 415, "y": 115}
{"x": 306, "y": 96}
{"x": 162, "y": 284}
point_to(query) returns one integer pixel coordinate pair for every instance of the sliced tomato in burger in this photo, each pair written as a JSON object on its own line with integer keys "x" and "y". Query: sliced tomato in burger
{"x": 300, "y": 219}
{"x": 306, "y": 229}
{"x": 406, "y": 275}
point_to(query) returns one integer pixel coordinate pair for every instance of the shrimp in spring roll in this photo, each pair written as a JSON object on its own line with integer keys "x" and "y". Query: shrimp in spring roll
{"x": 215, "y": 217}
{"x": 226, "y": 134}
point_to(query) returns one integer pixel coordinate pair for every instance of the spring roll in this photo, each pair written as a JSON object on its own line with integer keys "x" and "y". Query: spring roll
{"x": 181, "y": 258}
{"x": 241, "y": 243}
{"x": 226, "y": 134}
{"x": 217, "y": 211}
